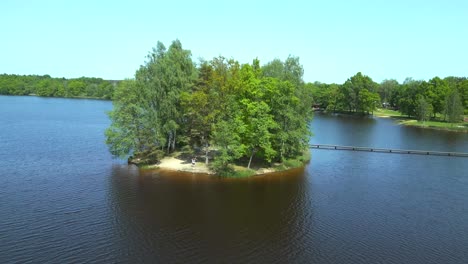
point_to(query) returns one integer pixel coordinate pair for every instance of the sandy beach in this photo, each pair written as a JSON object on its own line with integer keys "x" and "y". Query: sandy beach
{"x": 177, "y": 164}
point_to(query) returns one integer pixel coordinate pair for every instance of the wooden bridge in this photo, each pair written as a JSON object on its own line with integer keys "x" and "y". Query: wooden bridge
{"x": 386, "y": 150}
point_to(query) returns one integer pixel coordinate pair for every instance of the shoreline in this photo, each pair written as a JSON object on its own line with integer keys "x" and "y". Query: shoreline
{"x": 174, "y": 164}
{"x": 461, "y": 127}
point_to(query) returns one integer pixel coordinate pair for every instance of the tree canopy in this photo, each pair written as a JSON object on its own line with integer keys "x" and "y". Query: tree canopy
{"x": 233, "y": 112}
{"x": 422, "y": 100}
{"x": 11, "y": 84}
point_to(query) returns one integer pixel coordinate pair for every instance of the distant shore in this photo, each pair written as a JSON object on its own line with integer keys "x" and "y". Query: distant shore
{"x": 436, "y": 125}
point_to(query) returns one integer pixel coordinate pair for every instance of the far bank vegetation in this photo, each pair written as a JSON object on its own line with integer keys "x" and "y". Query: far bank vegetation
{"x": 437, "y": 100}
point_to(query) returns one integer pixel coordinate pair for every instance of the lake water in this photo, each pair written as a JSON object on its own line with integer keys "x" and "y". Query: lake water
{"x": 63, "y": 199}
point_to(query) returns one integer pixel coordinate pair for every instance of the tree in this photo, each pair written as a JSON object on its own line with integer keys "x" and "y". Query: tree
{"x": 76, "y": 88}
{"x": 351, "y": 90}
{"x": 463, "y": 88}
{"x": 131, "y": 130}
{"x": 423, "y": 109}
{"x": 47, "y": 87}
{"x": 408, "y": 96}
{"x": 453, "y": 107}
{"x": 289, "y": 70}
{"x": 234, "y": 110}
{"x": 166, "y": 75}
{"x": 292, "y": 112}
{"x": 274, "y": 69}
{"x": 386, "y": 89}
{"x": 200, "y": 116}
{"x": 436, "y": 92}
{"x": 258, "y": 126}
{"x": 147, "y": 111}
{"x": 368, "y": 101}
{"x": 227, "y": 137}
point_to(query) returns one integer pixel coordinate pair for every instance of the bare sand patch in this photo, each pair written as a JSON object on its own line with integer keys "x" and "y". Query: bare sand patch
{"x": 178, "y": 164}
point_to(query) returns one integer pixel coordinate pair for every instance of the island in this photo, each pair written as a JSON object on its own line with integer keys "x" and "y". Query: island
{"x": 236, "y": 117}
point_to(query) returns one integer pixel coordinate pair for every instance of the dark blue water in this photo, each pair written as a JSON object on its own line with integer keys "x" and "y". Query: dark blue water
{"x": 63, "y": 199}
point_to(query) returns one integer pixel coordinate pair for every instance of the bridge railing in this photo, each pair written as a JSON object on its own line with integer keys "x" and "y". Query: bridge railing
{"x": 388, "y": 150}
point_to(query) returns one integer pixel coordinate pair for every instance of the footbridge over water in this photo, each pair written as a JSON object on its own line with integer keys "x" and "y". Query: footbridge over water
{"x": 387, "y": 150}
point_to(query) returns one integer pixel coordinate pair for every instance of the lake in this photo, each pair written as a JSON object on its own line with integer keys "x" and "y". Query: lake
{"x": 63, "y": 199}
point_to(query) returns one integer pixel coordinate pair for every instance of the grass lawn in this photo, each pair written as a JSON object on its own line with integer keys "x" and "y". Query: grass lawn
{"x": 435, "y": 124}
{"x": 382, "y": 112}
{"x": 462, "y": 126}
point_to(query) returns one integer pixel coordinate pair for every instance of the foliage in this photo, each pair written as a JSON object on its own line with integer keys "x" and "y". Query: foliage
{"x": 164, "y": 77}
{"x": 438, "y": 100}
{"x": 125, "y": 135}
{"x": 358, "y": 94}
{"x": 56, "y": 87}
{"x": 227, "y": 137}
{"x": 423, "y": 109}
{"x": 386, "y": 89}
{"x": 147, "y": 110}
{"x": 244, "y": 173}
{"x": 413, "y": 98}
{"x": 234, "y": 113}
{"x": 453, "y": 107}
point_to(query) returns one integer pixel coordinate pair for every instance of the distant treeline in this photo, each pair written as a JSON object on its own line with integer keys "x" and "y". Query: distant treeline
{"x": 423, "y": 100}
{"x": 11, "y": 84}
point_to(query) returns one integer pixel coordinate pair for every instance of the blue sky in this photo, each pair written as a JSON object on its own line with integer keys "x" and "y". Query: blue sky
{"x": 334, "y": 39}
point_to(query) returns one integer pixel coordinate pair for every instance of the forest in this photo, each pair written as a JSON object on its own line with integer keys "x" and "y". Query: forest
{"x": 445, "y": 99}
{"x": 230, "y": 112}
{"x": 84, "y": 87}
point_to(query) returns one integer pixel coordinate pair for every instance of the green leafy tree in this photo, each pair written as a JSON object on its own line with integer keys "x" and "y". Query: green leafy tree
{"x": 200, "y": 111}
{"x": 408, "y": 96}
{"x": 227, "y": 138}
{"x": 423, "y": 109}
{"x": 46, "y": 87}
{"x": 386, "y": 89}
{"x": 454, "y": 107}
{"x": 76, "y": 88}
{"x": 166, "y": 75}
{"x": 436, "y": 91}
{"x": 368, "y": 101}
{"x": 131, "y": 130}
{"x": 292, "y": 112}
{"x": 352, "y": 98}
{"x": 290, "y": 70}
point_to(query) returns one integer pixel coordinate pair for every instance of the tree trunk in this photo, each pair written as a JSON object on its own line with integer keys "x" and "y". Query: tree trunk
{"x": 206, "y": 153}
{"x": 250, "y": 160}
{"x": 174, "y": 140}
{"x": 169, "y": 142}
{"x": 281, "y": 152}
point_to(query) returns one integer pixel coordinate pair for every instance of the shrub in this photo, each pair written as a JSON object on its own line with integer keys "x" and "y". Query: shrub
{"x": 293, "y": 163}
{"x": 243, "y": 173}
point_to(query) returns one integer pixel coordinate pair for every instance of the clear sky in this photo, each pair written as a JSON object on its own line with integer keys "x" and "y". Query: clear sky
{"x": 334, "y": 39}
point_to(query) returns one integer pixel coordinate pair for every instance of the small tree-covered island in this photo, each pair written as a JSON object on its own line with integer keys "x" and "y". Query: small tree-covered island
{"x": 229, "y": 117}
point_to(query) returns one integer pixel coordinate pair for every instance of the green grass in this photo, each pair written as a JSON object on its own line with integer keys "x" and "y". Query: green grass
{"x": 294, "y": 163}
{"x": 382, "y": 112}
{"x": 461, "y": 126}
{"x": 243, "y": 173}
{"x": 436, "y": 123}
{"x": 280, "y": 167}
